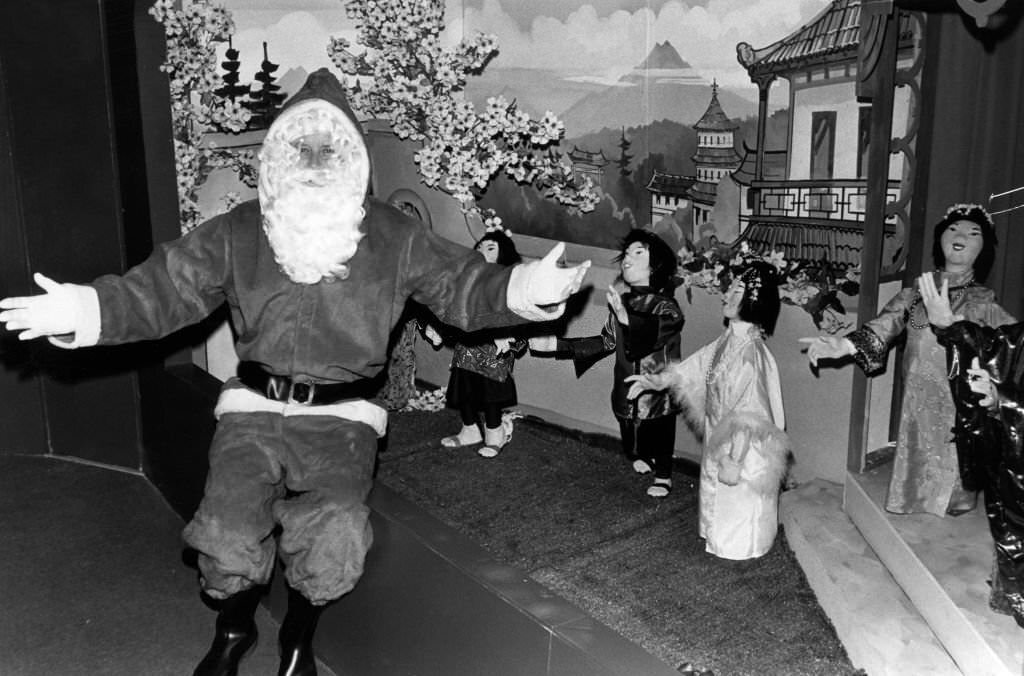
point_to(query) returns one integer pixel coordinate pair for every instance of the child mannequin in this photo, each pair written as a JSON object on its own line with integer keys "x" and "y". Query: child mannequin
{"x": 643, "y": 328}
{"x": 481, "y": 383}
{"x": 731, "y": 390}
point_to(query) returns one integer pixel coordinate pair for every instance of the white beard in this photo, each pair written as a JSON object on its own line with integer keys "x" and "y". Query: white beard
{"x": 314, "y": 231}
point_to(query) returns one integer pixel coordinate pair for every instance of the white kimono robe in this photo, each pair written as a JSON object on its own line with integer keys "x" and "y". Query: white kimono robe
{"x": 730, "y": 389}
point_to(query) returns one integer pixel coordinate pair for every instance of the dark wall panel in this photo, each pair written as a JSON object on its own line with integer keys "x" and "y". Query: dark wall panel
{"x": 973, "y": 143}
{"x": 21, "y": 416}
{"x": 60, "y": 124}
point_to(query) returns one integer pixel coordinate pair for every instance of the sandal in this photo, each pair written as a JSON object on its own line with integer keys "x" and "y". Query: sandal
{"x": 459, "y": 440}
{"x": 495, "y": 439}
{"x": 660, "y": 488}
{"x": 642, "y": 466}
{"x": 489, "y": 451}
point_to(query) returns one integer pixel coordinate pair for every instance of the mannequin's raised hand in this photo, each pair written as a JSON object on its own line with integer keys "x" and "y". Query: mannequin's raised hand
{"x": 615, "y": 302}
{"x": 827, "y": 347}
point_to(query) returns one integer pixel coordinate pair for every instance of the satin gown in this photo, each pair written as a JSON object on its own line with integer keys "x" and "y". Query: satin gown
{"x": 731, "y": 389}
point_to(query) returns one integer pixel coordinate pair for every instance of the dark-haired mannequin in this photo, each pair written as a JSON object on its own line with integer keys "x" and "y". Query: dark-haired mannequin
{"x": 927, "y": 474}
{"x": 481, "y": 385}
{"x": 730, "y": 389}
{"x": 643, "y": 332}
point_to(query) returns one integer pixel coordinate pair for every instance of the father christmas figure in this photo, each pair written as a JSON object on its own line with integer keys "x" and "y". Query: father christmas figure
{"x": 315, "y": 273}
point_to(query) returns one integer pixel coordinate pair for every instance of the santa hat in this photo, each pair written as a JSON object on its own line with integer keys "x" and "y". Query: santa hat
{"x": 323, "y": 85}
{"x": 320, "y": 100}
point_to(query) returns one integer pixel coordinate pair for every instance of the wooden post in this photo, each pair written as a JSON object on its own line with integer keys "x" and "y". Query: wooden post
{"x": 876, "y": 83}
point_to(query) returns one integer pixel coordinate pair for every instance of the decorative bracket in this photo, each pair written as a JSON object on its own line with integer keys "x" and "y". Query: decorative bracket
{"x": 980, "y": 10}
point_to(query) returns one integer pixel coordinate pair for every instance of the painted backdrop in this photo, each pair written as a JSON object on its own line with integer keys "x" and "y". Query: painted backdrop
{"x": 629, "y": 78}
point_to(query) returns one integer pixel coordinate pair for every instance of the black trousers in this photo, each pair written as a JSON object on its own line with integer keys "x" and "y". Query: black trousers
{"x": 470, "y": 414}
{"x": 652, "y": 440}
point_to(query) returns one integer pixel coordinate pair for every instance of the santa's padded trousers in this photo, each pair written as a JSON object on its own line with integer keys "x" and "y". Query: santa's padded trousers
{"x": 309, "y": 474}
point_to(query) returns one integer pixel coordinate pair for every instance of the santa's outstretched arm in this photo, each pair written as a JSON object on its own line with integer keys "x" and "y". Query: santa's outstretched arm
{"x": 538, "y": 290}
{"x": 67, "y": 314}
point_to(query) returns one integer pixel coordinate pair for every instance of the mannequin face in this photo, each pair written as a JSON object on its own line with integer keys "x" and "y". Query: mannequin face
{"x": 961, "y": 243}
{"x": 316, "y": 151}
{"x": 732, "y": 298}
{"x": 636, "y": 265}
{"x": 489, "y": 249}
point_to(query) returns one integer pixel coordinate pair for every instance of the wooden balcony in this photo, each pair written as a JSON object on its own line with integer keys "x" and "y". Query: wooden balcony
{"x": 813, "y": 220}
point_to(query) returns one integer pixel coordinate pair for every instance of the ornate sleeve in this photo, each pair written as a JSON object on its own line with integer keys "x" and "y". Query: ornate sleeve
{"x": 585, "y": 352}
{"x": 874, "y": 338}
{"x": 687, "y": 383}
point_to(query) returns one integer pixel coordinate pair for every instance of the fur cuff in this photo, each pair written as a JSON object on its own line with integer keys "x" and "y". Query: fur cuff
{"x": 764, "y": 439}
{"x": 87, "y": 319}
{"x": 689, "y": 392}
{"x": 517, "y": 296}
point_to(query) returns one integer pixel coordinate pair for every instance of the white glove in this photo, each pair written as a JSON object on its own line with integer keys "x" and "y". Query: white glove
{"x": 537, "y": 290}
{"x": 503, "y": 344}
{"x": 550, "y": 284}
{"x": 56, "y": 312}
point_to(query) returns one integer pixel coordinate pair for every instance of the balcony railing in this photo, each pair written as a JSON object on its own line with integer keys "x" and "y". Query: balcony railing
{"x": 813, "y": 220}
{"x": 836, "y": 202}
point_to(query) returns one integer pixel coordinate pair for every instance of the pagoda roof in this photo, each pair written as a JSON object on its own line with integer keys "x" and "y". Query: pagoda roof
{"x": 670, "y": 184}
{"x": 717, "y": 156}
{"x": 833, "y": 36}
{"x": 580, "y": 155}
{"x": 714, "y": 118}
{"x": 806, "y": 242}
{"x": 704, "y": 192}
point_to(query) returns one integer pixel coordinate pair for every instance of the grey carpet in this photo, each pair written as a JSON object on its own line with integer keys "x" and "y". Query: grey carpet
{"x": 568, "y": 509}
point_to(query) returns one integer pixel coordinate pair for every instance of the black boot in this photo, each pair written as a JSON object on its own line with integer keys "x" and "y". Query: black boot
{"x": 236, "y": 634}
{"x": 296, "y": 636}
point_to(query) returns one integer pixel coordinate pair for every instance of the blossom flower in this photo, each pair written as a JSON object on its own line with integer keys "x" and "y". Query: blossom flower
{"x": 814, "y": 288}
{"x": 419, "y": 91}
{"x": 191, "y": 30}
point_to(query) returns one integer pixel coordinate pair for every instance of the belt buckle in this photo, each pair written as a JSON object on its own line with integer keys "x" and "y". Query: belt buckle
{"x": 301, "y": 393}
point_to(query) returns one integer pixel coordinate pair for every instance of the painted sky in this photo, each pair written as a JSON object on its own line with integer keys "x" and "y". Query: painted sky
{"x": 597, "y": 40}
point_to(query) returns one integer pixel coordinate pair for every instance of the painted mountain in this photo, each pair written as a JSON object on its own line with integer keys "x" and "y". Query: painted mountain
{"x": 663, "y": 87}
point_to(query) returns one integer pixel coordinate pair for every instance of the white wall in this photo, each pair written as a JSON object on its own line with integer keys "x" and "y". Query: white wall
{"x": 840, "y": 97}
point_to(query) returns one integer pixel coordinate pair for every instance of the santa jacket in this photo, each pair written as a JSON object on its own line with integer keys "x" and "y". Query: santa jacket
{"x": 331, "y": 331}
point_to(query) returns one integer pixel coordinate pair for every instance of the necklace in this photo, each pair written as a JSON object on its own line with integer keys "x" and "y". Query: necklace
{"x": 724, "y": 356}
{"x": 955, "y": 294}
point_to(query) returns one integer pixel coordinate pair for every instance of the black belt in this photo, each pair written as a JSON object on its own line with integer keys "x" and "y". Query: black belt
{"x": 301, "y": 390}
